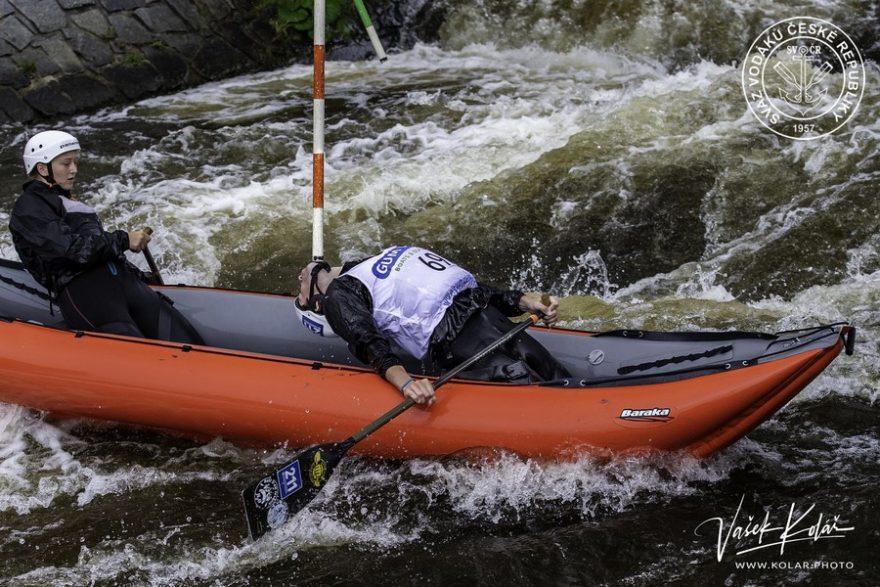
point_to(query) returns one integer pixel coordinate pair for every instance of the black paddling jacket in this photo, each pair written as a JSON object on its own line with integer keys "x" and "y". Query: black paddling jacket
{"x": 348, "y": 307}
{"x": 57, "y": 238}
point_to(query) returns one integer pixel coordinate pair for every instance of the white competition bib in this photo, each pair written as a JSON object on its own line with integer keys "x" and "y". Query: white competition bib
{"x": 411, "y": 289}
{"x": 75, "y": 206}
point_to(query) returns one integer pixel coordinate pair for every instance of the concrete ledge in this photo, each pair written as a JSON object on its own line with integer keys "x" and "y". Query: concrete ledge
{"x": 59, "y": 57}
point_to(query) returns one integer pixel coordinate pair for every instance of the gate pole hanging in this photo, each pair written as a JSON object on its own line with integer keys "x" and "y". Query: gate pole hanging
{"x": 318, "y": 133}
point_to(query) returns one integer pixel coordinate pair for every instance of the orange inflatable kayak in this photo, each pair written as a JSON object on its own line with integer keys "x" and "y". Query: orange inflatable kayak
{"x": 264, "y": 379}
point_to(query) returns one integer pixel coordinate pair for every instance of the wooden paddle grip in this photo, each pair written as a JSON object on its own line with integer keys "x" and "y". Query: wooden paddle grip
{"x": 154, "y": 269}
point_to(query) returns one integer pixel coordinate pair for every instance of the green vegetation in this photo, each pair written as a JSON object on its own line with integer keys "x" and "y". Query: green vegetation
{"x": 27, "y": 68}
{"x": 134, "y": 58}
{"x": 297, "y": 16}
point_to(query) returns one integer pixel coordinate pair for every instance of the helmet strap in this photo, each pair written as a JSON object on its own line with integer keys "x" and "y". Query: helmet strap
{"x": 50, "y": 179}
{"x": 316, "y": 296}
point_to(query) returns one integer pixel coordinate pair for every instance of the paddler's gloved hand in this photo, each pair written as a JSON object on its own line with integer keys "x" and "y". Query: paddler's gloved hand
{"x": 549, "y": 307}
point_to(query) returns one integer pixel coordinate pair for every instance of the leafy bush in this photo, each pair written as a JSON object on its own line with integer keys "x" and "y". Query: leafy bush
{"x": 297, "y": 16}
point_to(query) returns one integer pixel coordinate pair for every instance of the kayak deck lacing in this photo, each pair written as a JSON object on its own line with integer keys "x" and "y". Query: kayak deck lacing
{"x": 674, "y": 360}
{"x": 25, "y": 287}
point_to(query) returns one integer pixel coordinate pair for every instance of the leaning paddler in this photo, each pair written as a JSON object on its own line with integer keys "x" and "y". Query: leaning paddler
{"x": 428, "y": 306}
{"x": 63, "y": 245}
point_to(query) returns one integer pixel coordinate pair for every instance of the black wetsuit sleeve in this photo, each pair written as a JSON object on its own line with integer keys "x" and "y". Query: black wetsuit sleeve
{"x": 348, "y": 307}
{"x": 52, "y": 238}
{"x": 505, "y": 300}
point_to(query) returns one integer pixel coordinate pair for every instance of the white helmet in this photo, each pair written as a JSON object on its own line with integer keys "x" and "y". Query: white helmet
{"x": 311, "y": 317}
{"x": 45, "y": 146}
{"x": 314, "y": 322}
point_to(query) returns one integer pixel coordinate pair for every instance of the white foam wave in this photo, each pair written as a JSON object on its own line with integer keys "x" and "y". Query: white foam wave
{"x": 481, "y": 491}
{"x": 591, "y": 486}
{"x": 35, "y": 466}
{"x": 38, "y": 466}
{"x": 497, "y": 110}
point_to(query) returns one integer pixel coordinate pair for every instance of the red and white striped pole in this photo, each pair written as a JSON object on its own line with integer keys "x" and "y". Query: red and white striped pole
{"x": 318, "y": 133}
{"x": 319, "y": 17}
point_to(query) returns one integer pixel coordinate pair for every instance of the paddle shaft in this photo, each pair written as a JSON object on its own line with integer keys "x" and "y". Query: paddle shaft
{"x": 409, "y": 402}
{"x": 151, "y": 262}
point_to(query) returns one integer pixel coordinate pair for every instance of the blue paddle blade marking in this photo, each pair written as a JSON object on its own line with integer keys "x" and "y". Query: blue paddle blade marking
{"x": 289, "y": 480}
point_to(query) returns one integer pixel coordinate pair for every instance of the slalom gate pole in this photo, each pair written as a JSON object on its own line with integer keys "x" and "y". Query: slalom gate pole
{"x": 371, "y": 30}
{"x": 318, "y": 132}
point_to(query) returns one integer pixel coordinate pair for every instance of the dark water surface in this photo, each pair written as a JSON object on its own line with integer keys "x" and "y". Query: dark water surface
{"x": 601, "y": 150}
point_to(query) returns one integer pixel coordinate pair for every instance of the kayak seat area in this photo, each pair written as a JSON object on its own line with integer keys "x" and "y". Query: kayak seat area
{"x": 255, "y": 322}
{"x": 264, "y": 323}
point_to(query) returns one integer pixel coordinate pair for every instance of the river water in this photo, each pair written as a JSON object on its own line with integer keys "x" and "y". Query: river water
{"x": 600, "y": 150}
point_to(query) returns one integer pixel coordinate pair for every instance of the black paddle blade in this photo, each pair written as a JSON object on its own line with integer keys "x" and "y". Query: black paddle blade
{"x": 269, "y": 502}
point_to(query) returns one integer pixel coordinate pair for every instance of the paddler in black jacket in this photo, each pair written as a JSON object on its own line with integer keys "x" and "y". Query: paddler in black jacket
{"x": 63, "y": 245}
{"x": 428, "y": 306}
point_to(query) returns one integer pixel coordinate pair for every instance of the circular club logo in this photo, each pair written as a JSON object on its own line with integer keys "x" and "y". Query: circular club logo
{"x": 266, "y": 492}
{"x": 803, "y": 78}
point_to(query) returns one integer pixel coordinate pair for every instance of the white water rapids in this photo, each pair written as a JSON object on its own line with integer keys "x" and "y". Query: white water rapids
{"x": 524, "y": 147}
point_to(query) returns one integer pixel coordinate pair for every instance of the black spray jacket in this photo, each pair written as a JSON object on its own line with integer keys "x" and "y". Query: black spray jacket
{"x": 348, "y": 307}
{"x": 57, "y": 238}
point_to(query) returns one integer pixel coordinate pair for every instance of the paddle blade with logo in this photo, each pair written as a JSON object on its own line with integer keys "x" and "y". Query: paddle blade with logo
{"x": 270, "y": 501}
